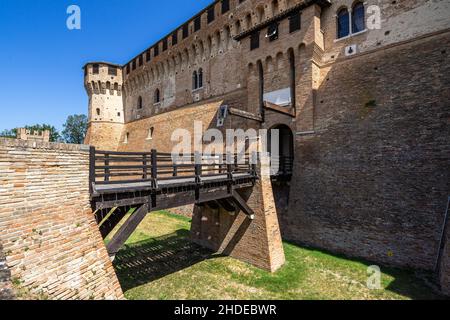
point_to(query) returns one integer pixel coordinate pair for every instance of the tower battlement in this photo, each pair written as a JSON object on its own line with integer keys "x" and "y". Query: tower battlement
{"x": 25, "y": 134}
{"x": 103, "y": 83}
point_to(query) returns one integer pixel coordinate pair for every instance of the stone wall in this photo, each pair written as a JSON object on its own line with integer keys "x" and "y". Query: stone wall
{"x": 49, "y": 235}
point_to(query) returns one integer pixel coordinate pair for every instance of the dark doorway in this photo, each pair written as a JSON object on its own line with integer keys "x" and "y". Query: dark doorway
{"x": 282, "y": 171}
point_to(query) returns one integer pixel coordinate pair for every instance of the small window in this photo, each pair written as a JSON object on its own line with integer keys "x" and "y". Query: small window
{"x": 133, "y": 66}
{"x": 98, "y": 111}
{"x": 185, "y": 31}
{"x": 358, "y": 18}
{"x": 157, "y": 97}
{"x": 174, "y": 38}
{"x": 112, "y": 71}
{"x": 148, "y": 55}
{"x": 194, "y": 80}
{"x": 126, "y": 138}
{"x": 139, "y": 105}
{"x": 200, "y": 78}
{"x": 118, "y": 114}
{"x": 141, "y": 60}
{"x": 254, "y": 41}
{"x": 150, "y": 133}
{"x": 211, "y": 14}
{"x": 95, "y": 69}
{"x": 197, "y": 23}
{"x": 294, "y": 22}
{"x": 156, "y": 50}
{"x": 272, "y": 32}
{"x": 225, "y": 6}
{"x": 343, "y": 23}
{"x": 165, "y": 44}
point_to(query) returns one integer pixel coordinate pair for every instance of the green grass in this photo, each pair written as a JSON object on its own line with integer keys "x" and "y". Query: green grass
{"x": 159, "y": 262}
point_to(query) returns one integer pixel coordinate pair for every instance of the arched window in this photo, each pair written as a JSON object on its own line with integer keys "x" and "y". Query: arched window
{"x": 200, "y": 78}
{"x": 139, "y": 105}
{"x": 98, "y": 111}
{"x": 343, "y": 23}
{"x": 157, "y": 97}
{"x": 358, "y": 18}
{"x": 194, "y": 80}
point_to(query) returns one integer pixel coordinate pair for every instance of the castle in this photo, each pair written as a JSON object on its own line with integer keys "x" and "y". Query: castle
{"x": 360, "y": 91}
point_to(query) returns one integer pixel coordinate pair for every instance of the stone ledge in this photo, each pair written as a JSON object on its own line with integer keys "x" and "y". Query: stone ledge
{"x": 7, "y": 142}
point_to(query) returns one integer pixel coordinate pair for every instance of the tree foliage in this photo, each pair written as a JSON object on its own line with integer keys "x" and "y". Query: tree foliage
{"x": 75, "y": 129}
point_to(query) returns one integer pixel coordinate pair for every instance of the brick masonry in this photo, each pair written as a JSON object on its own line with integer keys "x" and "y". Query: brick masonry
{"x": 373, "y": 180}
{"x": 371, "y": 129}
{"x": 254, "y": 241}
{"x": 445, "y": 264}
{"x": 49, "y": 235}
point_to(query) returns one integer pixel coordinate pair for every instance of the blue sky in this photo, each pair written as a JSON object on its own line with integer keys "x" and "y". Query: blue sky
{"x": 41, "y": 80}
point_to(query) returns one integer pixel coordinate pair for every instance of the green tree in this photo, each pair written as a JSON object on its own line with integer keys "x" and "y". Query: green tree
{"x": 75, "y": 129}
{"x": 8, "y": 133}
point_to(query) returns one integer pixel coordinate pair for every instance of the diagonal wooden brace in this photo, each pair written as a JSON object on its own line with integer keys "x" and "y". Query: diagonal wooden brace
{"x": 243, "y": 205}
{"x": 126, "y": 230}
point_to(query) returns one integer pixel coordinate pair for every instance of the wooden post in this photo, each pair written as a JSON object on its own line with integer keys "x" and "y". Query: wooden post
{"x": 144, "y": 162}
{"x": 91, "y": 169}
{"x": 155, "y": 168}
{"x": 107, "y": 171}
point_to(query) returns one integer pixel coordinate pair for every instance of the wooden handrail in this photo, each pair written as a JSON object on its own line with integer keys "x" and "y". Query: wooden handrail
{"x": 113, "y": 167}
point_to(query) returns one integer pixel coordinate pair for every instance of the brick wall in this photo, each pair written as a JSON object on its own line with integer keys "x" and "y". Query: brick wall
{"x": 444, "y": 276}
{"x": 49, "y": 235}
{"x": 373, "y": 181}
{"x": 257, "y": 241}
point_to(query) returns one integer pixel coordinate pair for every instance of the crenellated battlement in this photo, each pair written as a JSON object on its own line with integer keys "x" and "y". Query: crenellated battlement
{"x": 25, "y": 134}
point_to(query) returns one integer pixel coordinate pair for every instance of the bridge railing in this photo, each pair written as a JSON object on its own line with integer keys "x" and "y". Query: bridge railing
{"x": 112, "y": 167}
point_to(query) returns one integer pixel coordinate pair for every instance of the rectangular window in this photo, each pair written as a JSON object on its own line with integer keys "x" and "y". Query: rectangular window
{"x": 95, "y": 69}
{"x": 197, "y": 23}
{"x": 141, "y": 60}
{"x": 148, "y": 55}
{"x": 112, "y": 71}
{"x": 175, "y": 38}
{"x": 165, "y": 45}
{"x": 211, "y": 14}
{"x": 254, "y": 41}
{"x": 294, "y": 22}
{"x": 156, "y": 50}
{"x": 225, "y": 6}
{"x": 185, "y": 31}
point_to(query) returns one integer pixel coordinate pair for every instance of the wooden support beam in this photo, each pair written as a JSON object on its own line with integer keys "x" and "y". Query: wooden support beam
{"x": 227, "y": 204}
{"x": 126, "y": 230}
{"x": 243, "y": 205}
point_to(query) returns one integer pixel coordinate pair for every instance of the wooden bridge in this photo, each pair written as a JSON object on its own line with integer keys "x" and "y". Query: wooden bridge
{"x": 152, "y": 181}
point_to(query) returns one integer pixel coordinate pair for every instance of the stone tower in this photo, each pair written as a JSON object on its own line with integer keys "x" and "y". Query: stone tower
{"x": 103, "y": 83}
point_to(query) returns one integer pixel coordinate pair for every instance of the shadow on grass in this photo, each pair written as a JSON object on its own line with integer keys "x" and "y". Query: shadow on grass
{"x": 415, "y": 284}
{"x": 152, "y": 259}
